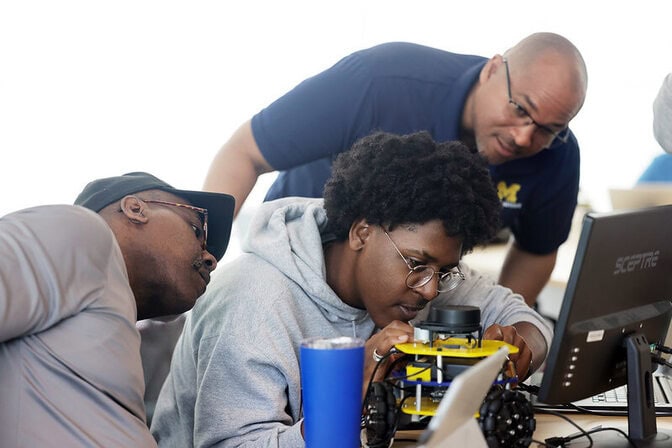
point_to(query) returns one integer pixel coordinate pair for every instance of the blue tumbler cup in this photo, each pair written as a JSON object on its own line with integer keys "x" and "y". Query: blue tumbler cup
{"x": 331, "y": 383}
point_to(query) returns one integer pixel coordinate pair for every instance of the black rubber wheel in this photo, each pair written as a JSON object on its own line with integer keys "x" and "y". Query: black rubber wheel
{"x": 507, "y": 419}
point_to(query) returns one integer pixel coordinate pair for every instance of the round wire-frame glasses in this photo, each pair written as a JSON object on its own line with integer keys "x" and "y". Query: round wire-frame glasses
{"x": 522, "y": 113}
{"x": 419, "y": 276}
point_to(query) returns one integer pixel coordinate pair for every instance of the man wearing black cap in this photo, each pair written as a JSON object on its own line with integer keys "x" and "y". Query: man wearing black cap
{"x": 73, "y": 283}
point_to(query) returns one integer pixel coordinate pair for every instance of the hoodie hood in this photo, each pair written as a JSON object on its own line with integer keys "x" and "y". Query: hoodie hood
{"x": 289, "y": 234}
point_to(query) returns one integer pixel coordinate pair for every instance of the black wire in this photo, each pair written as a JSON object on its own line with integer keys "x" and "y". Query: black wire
{"x": 373, "y": 375}
{"x": 394, "y": 382}
{"x": 560, "y": 441}
{"x": 572, "y": 408}
{"x": 390, "y": 369}
{"x": 662, "y": 348}
{"x": 368, "y": 391}
{"x": 620, "y": 431}
{"x": 401, "y": 359}
{"x": 660, "y": 360}
{"x": 397, "y": 417}
{"x": 553, "y": 441}
{"x": 549, "y": 442}
{"x": 593, "y": 431}
{"x": 529, "y": 388}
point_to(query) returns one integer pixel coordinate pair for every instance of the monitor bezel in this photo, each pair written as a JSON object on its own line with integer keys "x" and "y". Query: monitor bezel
{"x": 598, "y": 364}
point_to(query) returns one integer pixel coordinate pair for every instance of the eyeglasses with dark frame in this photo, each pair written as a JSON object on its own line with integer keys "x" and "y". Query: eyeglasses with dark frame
{"x": 521, "y": 112}
{"x": 201, "y": 211}
{"x": 419, "y": 276}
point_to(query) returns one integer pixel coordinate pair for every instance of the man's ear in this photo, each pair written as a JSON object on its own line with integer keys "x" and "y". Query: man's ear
{"x": 360, "y": 231}
{"x": 491, "y": 67}
{"x": 134, "y": 209}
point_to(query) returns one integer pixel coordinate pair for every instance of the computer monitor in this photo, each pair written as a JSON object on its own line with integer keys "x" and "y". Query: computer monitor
{"x": 617, "y": 302}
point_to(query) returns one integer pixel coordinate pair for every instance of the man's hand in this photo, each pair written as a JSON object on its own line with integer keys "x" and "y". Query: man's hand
{"x": 381, "y": 344}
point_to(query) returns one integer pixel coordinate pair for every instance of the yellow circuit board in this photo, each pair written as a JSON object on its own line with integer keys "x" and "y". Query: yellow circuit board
{"x": 427, "y": 407}
{"x": 456, "y": 347}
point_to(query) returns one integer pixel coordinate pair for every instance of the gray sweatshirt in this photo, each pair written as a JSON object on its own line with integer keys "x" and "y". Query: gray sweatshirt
{"x": 235, "y": 377}
{"x": 70, "y": 370}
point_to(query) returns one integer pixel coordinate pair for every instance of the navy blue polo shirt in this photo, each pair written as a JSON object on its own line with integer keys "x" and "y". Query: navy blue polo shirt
{"x": 404, "y": 88}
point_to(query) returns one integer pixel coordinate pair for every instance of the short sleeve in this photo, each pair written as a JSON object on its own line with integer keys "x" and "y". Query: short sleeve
{"x": 320, "y": 117}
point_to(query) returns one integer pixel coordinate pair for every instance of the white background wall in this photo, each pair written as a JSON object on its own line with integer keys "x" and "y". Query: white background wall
{"x": 91, "y": 89}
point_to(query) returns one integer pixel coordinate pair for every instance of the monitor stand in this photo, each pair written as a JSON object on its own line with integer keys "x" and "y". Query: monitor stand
{"x": 641, "y": 410}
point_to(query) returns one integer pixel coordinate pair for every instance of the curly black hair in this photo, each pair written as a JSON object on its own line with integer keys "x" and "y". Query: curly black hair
{"x": 393, "y": 180}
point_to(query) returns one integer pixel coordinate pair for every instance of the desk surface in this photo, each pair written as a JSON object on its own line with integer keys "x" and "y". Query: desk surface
{"x": 553, "y": 426}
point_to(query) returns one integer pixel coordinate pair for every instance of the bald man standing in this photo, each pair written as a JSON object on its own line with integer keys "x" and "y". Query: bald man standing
{"x": 513, "y": 108}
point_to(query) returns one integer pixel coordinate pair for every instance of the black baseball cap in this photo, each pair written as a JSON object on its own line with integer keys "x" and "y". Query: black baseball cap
{"x": 102, "y": 192}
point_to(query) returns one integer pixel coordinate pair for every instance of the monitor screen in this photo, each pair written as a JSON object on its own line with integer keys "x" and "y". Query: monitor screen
{"x": 616, "y": 304}
{"x": 620, "y": 287}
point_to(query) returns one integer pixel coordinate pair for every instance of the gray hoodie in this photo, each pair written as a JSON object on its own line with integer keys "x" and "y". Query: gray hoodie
{"x": 234, "y": 378}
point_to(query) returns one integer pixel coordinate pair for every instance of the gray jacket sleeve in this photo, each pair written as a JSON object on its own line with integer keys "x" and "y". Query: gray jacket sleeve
{"x": 41, "y": 277}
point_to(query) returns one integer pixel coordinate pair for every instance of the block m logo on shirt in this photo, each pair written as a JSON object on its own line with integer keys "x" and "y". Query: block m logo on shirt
{"x": 508, "y": 194}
